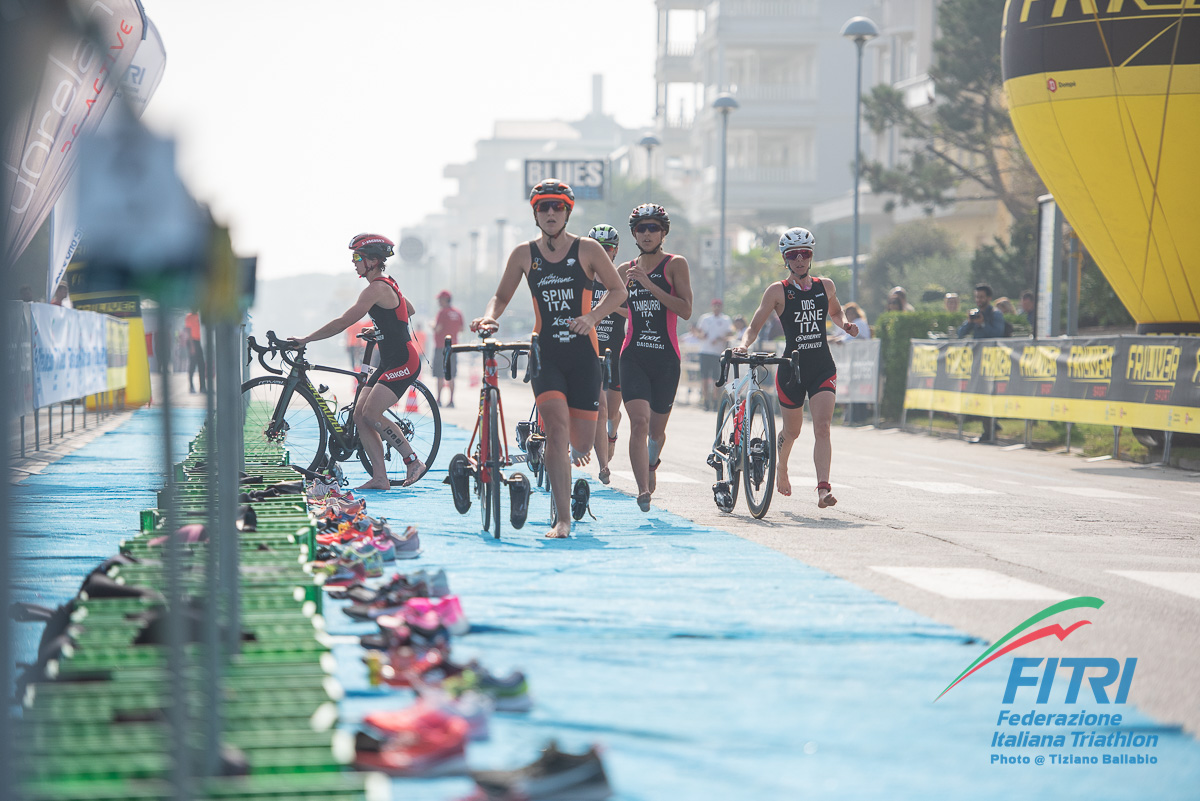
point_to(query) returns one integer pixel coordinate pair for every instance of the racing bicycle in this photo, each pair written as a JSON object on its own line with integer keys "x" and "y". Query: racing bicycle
{"x": 485, "y": 457}
{"x": 290, "y": 410}
{"x": 744, "y": 450}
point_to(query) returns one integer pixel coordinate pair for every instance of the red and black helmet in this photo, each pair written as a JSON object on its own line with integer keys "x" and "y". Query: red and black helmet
{"x": 552, "y": 189}
{"x": 373, "y": 246}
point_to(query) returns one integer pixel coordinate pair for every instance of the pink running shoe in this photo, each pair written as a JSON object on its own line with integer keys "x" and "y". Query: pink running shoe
{"x": 448, "y": 609}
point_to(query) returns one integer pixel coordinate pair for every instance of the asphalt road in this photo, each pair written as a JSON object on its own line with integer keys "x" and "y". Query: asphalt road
{"x": 975, "y": 536}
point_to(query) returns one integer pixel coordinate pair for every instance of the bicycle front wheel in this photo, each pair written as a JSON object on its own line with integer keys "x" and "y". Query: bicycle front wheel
{"x": 416, "y": 416}
{"x": 299, "y": 426}
{"x": 725, "y": 445}
{"x": 758, "y": 454}
{"x": 496, "y": 479}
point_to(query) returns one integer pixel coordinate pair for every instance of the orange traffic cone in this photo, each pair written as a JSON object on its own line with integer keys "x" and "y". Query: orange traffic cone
{"x": 410, "y": 403}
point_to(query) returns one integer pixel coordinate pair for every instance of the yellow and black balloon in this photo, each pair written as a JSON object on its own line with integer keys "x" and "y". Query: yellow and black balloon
{"x": 1105, "y": 97}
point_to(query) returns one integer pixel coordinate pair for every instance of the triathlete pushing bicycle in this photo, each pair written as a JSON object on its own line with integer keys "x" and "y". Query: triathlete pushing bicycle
{"x": 803, "y": 304}
{"x": 560, "y": 269}
{"x": 399, "y": 361}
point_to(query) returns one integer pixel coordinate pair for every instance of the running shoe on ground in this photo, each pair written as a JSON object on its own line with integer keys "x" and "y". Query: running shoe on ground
{"x": 448, "y": 609}
{"x": 433, "y": 744}
{"x": 474, "y": 708}
{"x": 555, "y": 776}
{"x": 406, "y": 665}
{"x": 405, "y": 546}
{"x": 509, "y": 694}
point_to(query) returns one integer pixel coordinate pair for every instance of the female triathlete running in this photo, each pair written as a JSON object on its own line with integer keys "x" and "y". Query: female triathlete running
{"x": 560, "y": 269}
{"x": 399, "y": 361}
{"x": 660, "y": 291}
{"x": 803, "y": 303}
{"x": 610, "y": 333}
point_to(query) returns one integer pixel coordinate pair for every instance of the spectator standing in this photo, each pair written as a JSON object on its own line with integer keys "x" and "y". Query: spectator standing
{"x": 447, "y": 323}
{"x": 984, "y": 321}
{"x": 951, "y": 302}
{"x": 1028, "y": 307}
{"x": 191, "y": 324}
{"x": 714, "y": 330}
{"x": 899, "y": 294}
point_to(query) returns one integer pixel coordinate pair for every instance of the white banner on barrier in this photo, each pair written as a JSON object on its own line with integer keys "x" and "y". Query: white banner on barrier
{"x": 70, "y": 354}
{"x": 857, "y": 363}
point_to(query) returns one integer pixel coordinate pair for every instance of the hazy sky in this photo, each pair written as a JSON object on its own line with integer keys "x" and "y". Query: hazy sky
{"x": 302, "y": 123}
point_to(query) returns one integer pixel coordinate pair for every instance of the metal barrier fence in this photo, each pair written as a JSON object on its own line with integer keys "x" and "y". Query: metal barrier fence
{"x": 66, "y": 358}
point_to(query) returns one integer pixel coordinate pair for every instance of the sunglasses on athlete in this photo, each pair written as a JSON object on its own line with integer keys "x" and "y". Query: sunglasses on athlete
{"x": 356, "y": 257}
{"x": 551, "y": 205}
{"x": 799, "y": 253}
{"x": 647, "y": 228}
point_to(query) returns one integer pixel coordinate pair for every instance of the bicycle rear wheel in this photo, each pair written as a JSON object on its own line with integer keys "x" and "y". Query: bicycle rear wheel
{"x": 416, "y": 416}
{"x": 758, "y": 453}
{"x": 725, "y": 445}
{"x": 301, "y": 429}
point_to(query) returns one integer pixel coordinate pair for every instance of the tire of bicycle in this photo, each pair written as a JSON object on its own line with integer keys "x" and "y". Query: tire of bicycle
{"x": 496, "y": 479}
{"x": 308, "y": 431}
{"x": 726, "y": 414}
{"x": 760, "y": 425}
{"x": 422, "y": 427}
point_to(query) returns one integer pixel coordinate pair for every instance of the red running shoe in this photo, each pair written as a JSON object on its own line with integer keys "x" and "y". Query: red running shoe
{"x": 432, "y": 743}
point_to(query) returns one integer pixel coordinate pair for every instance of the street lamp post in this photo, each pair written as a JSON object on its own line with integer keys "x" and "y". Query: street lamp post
{"x": 649, "y": 141}
{"x": 724, "y": 103}
{"x": 861, "y": 30}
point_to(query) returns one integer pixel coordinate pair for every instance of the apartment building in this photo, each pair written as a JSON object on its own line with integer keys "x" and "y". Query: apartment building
{"x": 790, "y": 141}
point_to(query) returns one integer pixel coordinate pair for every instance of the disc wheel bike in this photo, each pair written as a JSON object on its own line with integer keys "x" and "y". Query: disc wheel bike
{"x": 288, "y": 410}
{"x": 487, "y": 454}
{"x": 744, "y": 449}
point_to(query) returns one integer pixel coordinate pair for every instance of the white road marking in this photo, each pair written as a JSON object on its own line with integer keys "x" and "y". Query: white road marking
{"x": 1100, "y": 494}
{"x": 946, "y": 487}
{"x": 664, "y": 477}
{"x": 971, "y": 583}
{"x": 1181, "y": 582}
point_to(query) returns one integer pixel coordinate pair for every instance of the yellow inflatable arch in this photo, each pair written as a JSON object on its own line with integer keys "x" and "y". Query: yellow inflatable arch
{"x": 1105, "y": 97}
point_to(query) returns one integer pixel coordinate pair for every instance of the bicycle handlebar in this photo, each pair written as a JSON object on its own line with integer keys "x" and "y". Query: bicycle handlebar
{"x": 754, "y": 360}
{"x": 490, "y": 346}
{"x": 275, "y": 347}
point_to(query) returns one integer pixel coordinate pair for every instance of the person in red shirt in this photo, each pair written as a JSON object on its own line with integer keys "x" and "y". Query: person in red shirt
{"x": 191, "y": 324}
{"x": 447, "y": 323}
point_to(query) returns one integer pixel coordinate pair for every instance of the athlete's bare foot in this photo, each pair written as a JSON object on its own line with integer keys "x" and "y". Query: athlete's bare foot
{"x": 605, "y": 475}
{"x": 643, "y": 501}
{"x": 415, "y": 471}
{"x": 580, "y": 458}
{"x": 783, "y": 484}
{"x": 376, "y": 484}
{"x": 561, "y": 531}
{"x": 825, "y": 496}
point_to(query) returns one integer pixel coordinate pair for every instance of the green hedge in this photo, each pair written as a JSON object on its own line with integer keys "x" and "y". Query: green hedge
{"x": 896, "y": 330}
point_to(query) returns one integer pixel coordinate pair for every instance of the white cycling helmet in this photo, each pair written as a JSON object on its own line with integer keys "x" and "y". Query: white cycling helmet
{"x": 796, "y": 238}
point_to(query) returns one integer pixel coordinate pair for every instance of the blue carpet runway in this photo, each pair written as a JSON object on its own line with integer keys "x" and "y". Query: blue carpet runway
{"x": 707, "y": 666}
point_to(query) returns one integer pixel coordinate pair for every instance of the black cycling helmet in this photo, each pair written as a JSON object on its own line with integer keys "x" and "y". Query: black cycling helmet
{"x": 650, "y": 212}
{"x": 552, "y": 189}
{"x": 373, "y": 246}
